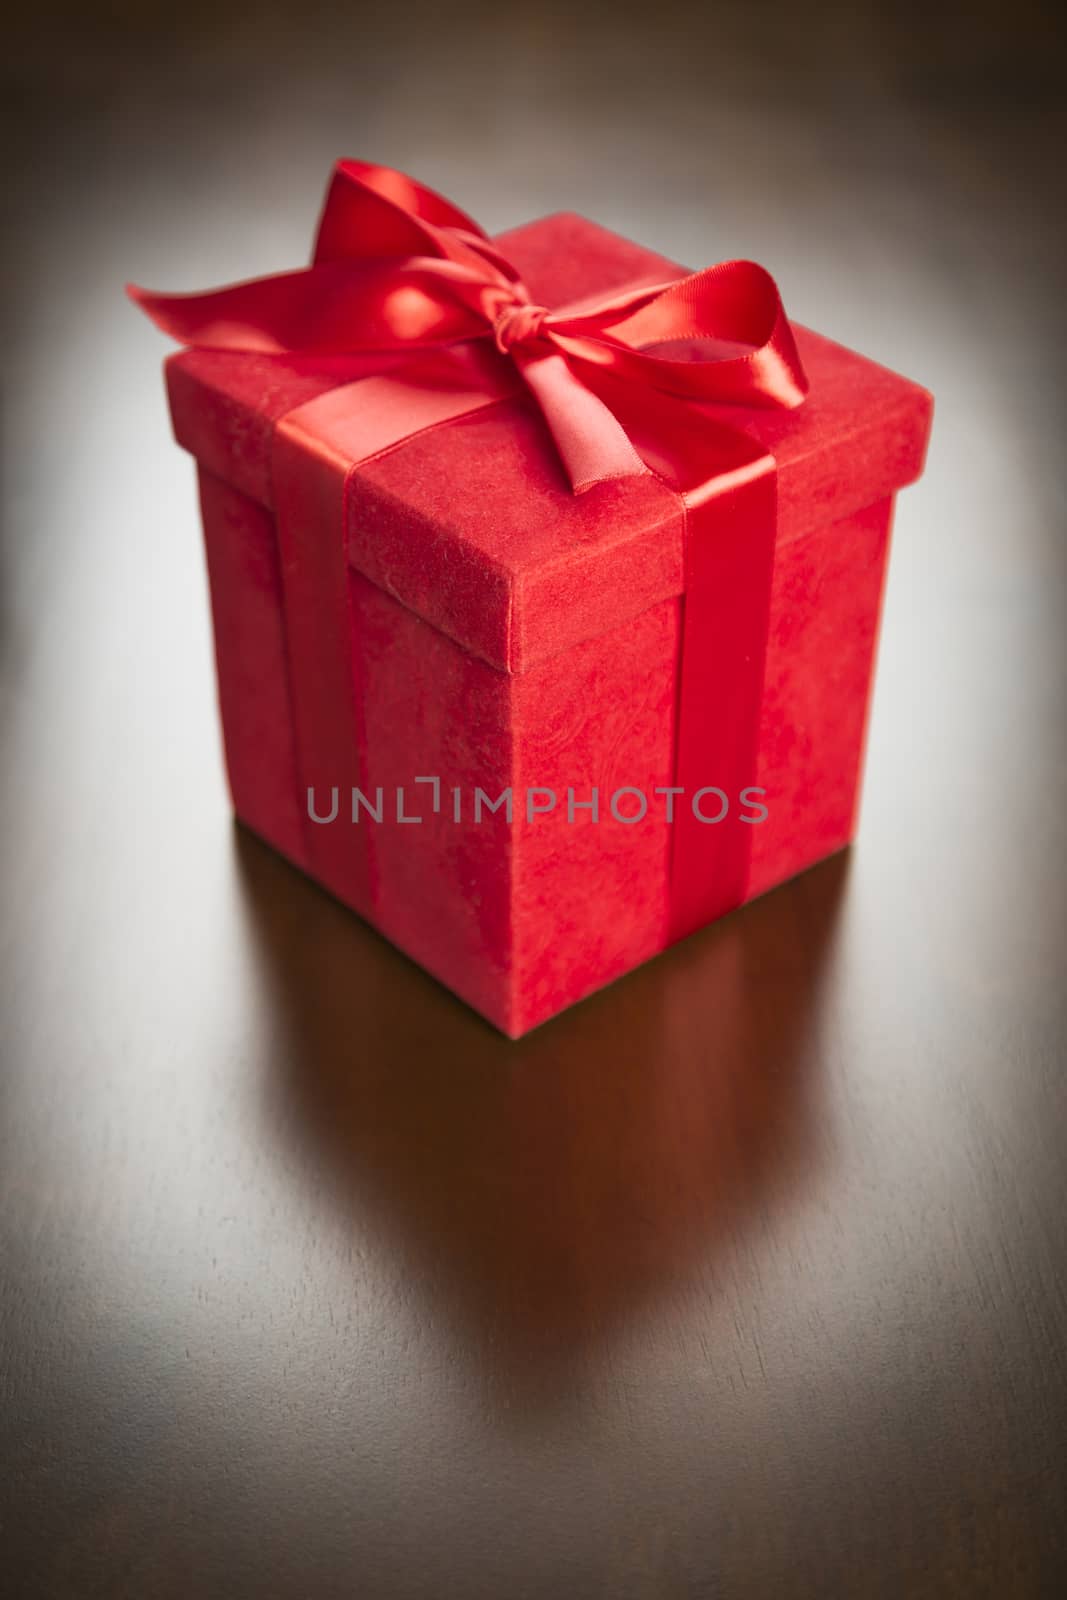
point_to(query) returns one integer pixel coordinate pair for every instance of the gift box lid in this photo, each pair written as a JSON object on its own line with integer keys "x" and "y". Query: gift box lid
{"x": 473, "y": 525}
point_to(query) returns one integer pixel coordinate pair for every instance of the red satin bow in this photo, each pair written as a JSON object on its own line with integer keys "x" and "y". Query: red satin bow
{"x": 397, "y": 267}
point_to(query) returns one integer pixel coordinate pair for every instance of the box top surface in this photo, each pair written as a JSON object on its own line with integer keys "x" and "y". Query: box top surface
{"x": 474, "y": 526}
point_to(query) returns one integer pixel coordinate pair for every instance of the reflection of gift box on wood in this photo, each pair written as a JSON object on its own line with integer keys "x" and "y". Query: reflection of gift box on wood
{"x": 477, "y": 622}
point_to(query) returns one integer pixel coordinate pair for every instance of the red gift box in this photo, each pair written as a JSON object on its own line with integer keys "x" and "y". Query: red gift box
{"x": 417, "y": 617}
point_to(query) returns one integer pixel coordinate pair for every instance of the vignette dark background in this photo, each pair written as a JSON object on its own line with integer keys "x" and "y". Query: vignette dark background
{"x": 746, "y": 1278}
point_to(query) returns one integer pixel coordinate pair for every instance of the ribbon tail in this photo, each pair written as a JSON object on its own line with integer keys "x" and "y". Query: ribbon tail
{"x": 592, "y": 443}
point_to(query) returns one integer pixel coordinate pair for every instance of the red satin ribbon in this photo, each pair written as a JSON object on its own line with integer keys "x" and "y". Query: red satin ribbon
{"x": 621, "y": 381}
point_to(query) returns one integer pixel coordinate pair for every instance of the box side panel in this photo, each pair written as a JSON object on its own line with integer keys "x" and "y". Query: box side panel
{"x": 590, "y": 897}
{"x": 441, "y": 886}
{"x": 250, "y": 659}
{"x": 590, "y": 894}
{"x": 440, "y": 889}
{"x": 825, "y": 610}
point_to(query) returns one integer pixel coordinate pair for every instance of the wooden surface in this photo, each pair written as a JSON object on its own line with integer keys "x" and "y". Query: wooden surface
{"x": 746, "y": 1278}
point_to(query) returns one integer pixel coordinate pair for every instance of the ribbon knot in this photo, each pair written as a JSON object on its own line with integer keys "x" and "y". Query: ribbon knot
{"x": 518, "y": 324}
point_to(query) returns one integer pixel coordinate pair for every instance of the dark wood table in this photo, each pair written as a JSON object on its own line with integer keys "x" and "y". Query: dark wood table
{"x": 745, "y": 1278}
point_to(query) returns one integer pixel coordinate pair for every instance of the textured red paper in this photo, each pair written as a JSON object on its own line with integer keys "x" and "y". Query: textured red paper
{"x": 505, "y": 632}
